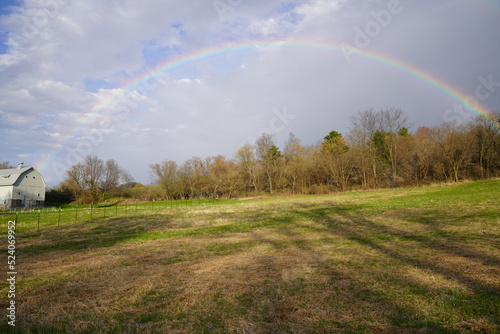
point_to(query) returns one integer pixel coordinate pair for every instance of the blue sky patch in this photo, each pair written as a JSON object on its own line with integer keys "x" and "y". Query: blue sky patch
{"x": 93, "y": 85}
{"x": 3, "y": 39}
{"x": 6, "y": 6}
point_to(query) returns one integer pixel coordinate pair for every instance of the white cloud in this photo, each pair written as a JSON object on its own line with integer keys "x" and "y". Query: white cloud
{"x": 62, "y": 76}
{"x": 318, "y": 8}
{"x": 320, "y": 18}
{"x": 7, "y": 60}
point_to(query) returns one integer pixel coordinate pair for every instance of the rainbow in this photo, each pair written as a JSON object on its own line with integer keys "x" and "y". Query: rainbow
{"x": 169, "y": 65}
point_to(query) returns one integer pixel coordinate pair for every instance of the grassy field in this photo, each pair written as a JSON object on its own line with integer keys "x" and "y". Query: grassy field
{"x": 50, "y": 217}
{"x": 424, "y": 260}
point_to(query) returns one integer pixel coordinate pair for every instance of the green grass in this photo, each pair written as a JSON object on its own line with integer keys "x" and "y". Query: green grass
{"x": 420, "y": 260}
{"x": 38, "y": 221}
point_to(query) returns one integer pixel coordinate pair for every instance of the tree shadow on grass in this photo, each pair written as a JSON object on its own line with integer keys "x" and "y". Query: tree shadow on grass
{"x": 91, "y": 234}
{"x": 350, "y": 305}
{"x": 351, "y": 294}
{"x": 447, "y": 246}
{"x": 364, "y": 232}
{"x": 107, "y": 233}
{"x": 453, "y": 243}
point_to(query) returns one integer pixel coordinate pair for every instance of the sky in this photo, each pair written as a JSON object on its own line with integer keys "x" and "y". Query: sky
{"x": 141, "y": 82}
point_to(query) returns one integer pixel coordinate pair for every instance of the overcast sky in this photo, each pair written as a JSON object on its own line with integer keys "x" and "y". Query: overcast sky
{"x": 242, "y": 67}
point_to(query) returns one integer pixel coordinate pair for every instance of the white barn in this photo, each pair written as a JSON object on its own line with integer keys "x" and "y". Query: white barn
{"x": 23, "y": 187}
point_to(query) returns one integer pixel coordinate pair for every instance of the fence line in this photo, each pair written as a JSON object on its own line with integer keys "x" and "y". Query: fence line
{"x": 32, "y": 220}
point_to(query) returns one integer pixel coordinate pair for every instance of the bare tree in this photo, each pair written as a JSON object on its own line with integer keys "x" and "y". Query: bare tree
{"x": 419, "y": 155}
{"x": 363, "y": 127}
{"x": 453, "y": 148}
{"x": 294, "y": 166}
{"x": 247, "y": 164}
{"x": 392, "y": 121}
{"x": 75, "y": 181}
{"x": 5, "y": 165}
{"x": 126, "y": 177}
{"x": 193, "y": 177}
{"x": 270, "y": 159}
{"x": 485, "y": 134}
{"x": 93, "y": 179}
{"x": 165, "y": 175}
{"x": 222, "y": 177}
{"x": 94, "y": 168}
{"x": 336, "y": 160}
{"x": 111, "y": 175}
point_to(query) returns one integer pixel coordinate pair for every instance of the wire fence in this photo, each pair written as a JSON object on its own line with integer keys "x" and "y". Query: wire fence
{"x": 38, "y": 220}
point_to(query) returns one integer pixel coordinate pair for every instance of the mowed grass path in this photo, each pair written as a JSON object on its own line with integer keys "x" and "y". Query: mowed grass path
{"x": 423, "y": 260}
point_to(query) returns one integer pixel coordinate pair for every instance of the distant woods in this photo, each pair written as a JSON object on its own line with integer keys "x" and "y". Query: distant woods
{"x": 5, "y": 165}
{"x": 378, "y": 151}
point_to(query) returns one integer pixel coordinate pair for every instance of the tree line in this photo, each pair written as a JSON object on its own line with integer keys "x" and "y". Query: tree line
{"x": 91, "y": 180}
{"x": 378, "y": 151}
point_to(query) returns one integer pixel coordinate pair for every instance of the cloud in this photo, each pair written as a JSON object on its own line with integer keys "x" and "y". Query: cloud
{"x": 66, "y": 67}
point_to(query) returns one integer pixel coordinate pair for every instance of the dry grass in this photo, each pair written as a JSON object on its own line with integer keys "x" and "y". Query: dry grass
{"x": 401, "y": 261}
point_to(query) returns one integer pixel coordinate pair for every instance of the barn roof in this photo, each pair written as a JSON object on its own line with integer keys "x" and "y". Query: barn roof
{"x": 9, "y": 176}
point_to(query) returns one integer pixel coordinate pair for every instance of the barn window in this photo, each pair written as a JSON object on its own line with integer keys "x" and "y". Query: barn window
{"x": 26, "y": 176}
{"x": 38, "y": 195}
{"x": 33, "y": 177}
